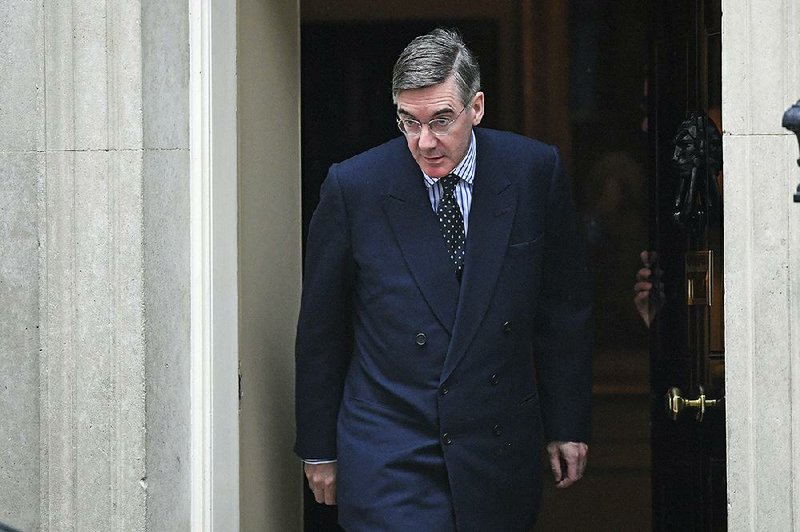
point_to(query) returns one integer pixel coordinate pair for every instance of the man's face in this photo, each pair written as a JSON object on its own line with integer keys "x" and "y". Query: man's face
{"x": 436, "y": 155}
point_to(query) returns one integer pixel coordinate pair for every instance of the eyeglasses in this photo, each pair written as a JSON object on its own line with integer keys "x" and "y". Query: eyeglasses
{"x": 438, "y": 126}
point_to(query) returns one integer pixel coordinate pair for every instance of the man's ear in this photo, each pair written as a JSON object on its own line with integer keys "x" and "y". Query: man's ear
{"x": 477, "y": 108}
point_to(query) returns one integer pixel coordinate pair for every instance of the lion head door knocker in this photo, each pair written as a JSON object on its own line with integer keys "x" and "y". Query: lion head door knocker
{"x": 697, "y": 160}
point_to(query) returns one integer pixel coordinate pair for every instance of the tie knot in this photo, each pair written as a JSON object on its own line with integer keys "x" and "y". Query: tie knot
{"x": 449, "y": 183}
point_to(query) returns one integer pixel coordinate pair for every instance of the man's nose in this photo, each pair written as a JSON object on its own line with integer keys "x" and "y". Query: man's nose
{"x": 427, "y": 139}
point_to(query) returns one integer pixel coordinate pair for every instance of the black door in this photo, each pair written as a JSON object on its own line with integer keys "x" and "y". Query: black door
{"x": 687, "y": 337}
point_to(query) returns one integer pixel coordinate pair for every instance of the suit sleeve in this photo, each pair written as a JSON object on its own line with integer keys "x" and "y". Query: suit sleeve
{"x": 324, "y": 339}
{"x": 563, "y": 334}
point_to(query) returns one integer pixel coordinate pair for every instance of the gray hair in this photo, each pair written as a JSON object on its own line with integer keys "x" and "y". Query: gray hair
{"x": 432, "y": 58}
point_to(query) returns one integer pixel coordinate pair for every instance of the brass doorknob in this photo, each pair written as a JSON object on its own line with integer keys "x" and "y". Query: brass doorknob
{"x": 676, "y": 404}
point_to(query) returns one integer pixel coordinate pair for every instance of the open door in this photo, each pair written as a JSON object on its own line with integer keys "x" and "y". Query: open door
{"x": 687, "y": 337}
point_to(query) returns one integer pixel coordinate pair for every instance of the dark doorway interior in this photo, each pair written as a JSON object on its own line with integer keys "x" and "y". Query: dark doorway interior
{"x": 347, "y": 56}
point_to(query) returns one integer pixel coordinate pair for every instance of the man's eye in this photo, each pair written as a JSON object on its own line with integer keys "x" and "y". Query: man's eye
{"x": 440, "y": 122}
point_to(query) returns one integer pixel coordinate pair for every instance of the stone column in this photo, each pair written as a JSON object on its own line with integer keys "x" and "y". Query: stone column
{"x": 167, "y": 275}
{"x": 22, "y": 171}
{"x": 760, "y": 79}
{"x": 91, "y": 276}
{"x": 94, "y": 269}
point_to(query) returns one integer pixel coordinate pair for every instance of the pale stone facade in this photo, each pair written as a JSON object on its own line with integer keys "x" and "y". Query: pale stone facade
{"x": 95, "y": 266}
{"x": 110, "y": 255}
{"x": 760, "y": 79}
{"x": 94, "y": 351}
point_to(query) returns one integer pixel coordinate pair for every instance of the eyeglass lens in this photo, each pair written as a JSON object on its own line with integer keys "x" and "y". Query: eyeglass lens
{"x": 438, "y": 126}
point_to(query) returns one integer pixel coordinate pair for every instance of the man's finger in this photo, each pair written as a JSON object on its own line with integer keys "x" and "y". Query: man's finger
{"x": 555, "y": 464}
{"x": 571, "y": 478}
{"x": 642, "y": 286}
{"x": 571, "y": 458}
{"x": 572, "y": 469}
{"x": 322, "y": 481}
{"x": 645, "y": 258}
{"x": 574, "y": 455}
{"x": 330, "y": 495}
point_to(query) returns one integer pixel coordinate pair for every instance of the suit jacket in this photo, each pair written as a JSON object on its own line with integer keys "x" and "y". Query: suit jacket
{"x": 433, "y": 394}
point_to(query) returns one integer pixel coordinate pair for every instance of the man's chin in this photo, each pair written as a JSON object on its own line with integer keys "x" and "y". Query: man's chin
{"x": 435, "y": 171}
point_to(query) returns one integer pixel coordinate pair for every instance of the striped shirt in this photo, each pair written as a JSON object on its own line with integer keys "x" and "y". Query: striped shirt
{"x": 463, "y": 193}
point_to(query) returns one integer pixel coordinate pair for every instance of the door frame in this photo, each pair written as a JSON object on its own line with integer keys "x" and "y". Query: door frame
{"x": 214, "y": 266}
{"x": 214, "y": 295}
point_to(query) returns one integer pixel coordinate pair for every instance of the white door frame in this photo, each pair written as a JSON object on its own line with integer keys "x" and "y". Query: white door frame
{"x": 214, "y": 260}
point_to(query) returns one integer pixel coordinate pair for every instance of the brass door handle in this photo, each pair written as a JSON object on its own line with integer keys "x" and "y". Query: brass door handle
{"x": 676, "y": 404}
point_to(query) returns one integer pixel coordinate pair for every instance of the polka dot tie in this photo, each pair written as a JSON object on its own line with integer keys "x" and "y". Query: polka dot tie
{"x": 452, "y": 223}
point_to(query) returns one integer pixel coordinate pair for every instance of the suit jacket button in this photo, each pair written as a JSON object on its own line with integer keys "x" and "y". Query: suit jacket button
{"x": 493, "y": 380}
{"x": 507, "y": 327}
{"x": 444, "y": 390}
{"x": 498, "y": 430}
{"x": 421, "y": 339}
{"x": 446, "y": 439}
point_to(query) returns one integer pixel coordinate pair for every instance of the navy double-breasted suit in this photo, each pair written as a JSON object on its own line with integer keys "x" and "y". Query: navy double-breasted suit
{"x": 433, "y": 394}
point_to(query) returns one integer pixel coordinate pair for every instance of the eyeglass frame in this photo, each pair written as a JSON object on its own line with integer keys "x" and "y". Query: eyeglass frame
{"x": 448, "y": 126}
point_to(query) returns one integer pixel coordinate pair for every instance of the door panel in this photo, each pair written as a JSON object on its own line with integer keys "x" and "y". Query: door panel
{"x": 687, "y": 337}
{"x": 269, "y": 262}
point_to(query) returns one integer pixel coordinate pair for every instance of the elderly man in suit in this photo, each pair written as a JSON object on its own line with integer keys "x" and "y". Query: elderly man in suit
{"x": 444, "y": 325}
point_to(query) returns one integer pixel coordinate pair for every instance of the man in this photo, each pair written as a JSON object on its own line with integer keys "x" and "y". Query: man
{"x": 444, "y": 317}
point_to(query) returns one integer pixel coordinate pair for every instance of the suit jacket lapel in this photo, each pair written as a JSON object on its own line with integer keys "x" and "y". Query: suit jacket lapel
{"x": 494, "y": 203}
{"x": 416, "y": 228}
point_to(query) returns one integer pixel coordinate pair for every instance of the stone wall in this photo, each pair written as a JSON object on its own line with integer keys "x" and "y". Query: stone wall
{"x": 760, "y": 79}
{"x": 22, "y": 172}
{"x": 94, "y": 171}
{"x": 165, "y": 176}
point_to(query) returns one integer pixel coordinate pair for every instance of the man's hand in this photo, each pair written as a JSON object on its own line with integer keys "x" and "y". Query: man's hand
{"x": 568, "y": 453}
{"x": 648, "y": 292}
{"x": 322, "y": 481}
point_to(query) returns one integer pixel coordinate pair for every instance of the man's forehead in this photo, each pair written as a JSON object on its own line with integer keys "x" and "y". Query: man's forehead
{"x": 439, "y": 98}
{"x": 435, "y": 111}
{"x": 447, "y": 85}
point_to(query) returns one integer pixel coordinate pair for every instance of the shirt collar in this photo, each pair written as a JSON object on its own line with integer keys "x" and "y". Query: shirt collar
{"x": 465, "y": 169}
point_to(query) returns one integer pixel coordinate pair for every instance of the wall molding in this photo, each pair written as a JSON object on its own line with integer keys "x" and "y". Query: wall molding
{"x": 214, "y": 273}
{"x": 92, "y": 383}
